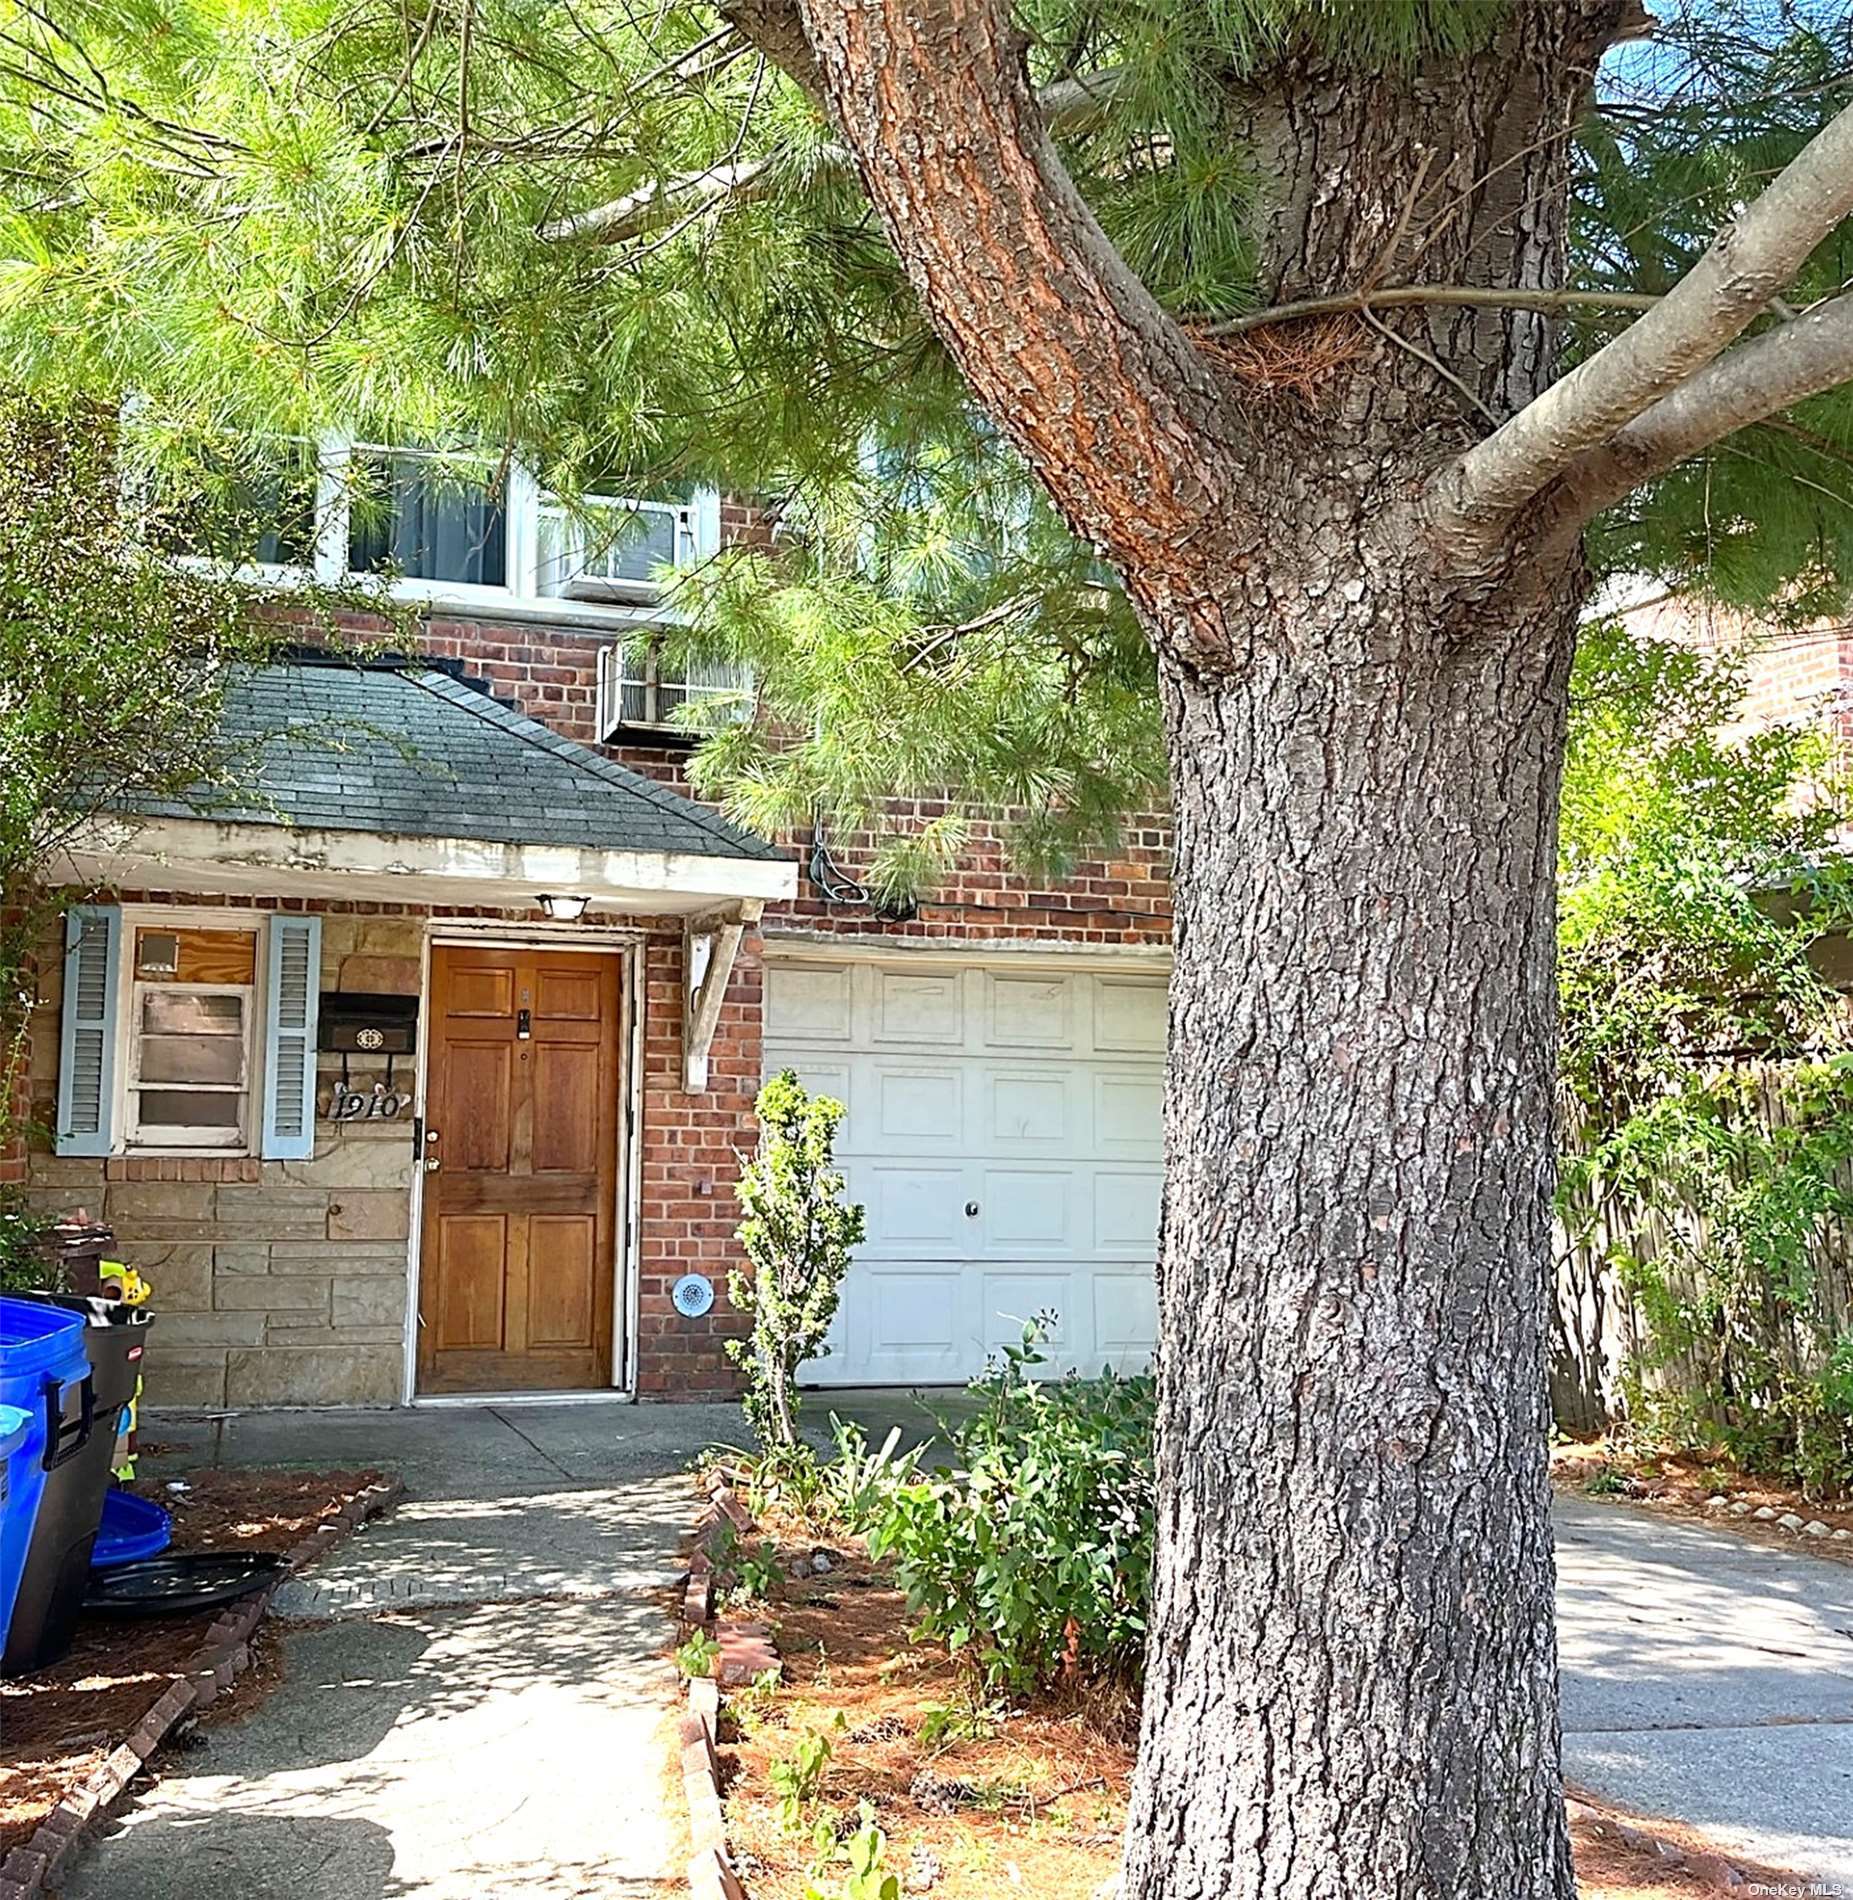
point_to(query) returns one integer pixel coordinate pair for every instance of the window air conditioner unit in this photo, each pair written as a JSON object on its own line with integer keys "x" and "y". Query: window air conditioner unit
{"x": 638, "y": 693}
{"x": 610, "y": 548}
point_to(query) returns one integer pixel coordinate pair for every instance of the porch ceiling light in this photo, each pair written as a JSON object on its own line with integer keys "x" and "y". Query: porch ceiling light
{"x": 565, "y": 909}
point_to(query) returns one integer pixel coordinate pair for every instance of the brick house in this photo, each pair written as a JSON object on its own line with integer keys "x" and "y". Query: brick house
{"x": 420, "y": 1068}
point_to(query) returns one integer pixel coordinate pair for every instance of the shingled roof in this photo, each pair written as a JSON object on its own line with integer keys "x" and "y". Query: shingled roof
{"x": 409, "y": 751}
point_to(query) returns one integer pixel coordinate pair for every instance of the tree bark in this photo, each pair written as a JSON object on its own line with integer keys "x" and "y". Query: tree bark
{"x": 1352, "y": 1673}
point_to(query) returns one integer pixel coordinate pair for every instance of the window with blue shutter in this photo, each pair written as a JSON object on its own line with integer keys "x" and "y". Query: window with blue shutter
{"x": 87, "y": 1037}
{"x": 290, "y": 999}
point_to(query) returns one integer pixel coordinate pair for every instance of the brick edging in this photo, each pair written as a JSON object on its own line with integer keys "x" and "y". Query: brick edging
{"x": 746, "y": 1651}
{"x": 224, "y": 1654}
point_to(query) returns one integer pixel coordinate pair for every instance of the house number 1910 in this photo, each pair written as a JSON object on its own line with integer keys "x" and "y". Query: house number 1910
{"x": 378, "y": 1103}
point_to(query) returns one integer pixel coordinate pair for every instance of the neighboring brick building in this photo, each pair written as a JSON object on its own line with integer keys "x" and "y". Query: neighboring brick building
{"x": 585, "y": 1087}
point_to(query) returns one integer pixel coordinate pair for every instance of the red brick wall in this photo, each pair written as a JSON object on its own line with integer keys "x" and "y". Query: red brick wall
{"x": 1793, "y": 675}
{"x": 690, "y": 1155}
{"x": 550, "y": 674}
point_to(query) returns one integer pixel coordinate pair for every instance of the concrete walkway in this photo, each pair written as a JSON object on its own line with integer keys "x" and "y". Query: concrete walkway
{"x": 478, "y": 1710}
{"x": 488, "y": 1718}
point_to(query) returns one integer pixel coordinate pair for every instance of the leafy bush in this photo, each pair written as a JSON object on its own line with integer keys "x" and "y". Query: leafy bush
{"x": 797, "y": 1236}
{"x": 23, "y": 1262}
{"x": 1709, "y": 1109}
{"x": 1033, "y": 1555}
{"x": 798, "y": 1778}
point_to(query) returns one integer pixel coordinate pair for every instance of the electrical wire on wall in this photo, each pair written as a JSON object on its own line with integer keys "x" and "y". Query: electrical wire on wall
{"x": 836, "y": 886}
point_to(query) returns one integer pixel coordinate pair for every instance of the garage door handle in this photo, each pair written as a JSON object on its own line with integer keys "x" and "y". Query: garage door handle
{"x": 971, "y": 1210}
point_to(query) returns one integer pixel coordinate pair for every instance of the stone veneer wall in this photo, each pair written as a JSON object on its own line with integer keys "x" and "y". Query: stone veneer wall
{"x": 275, "y": 1282}
{"x": 284, "y": 1282}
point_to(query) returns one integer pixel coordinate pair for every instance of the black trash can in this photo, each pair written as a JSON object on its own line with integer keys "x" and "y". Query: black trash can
{"x": 57, "y": 1572}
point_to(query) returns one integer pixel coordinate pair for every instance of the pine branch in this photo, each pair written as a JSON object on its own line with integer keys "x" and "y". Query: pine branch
{"x": 1125, "y": 420}
{"x": 1750, "y": 261}
{"x": 1464, "y": 295}
{"x": 1747, "y": 385}
{"x": 1069, "y": 107}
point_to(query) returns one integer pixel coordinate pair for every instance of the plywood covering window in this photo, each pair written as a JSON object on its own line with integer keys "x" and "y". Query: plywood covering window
{"x": 191, "y": 1004}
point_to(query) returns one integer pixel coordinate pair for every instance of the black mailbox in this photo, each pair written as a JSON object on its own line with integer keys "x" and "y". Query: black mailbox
{"x": 353, "y": 1024}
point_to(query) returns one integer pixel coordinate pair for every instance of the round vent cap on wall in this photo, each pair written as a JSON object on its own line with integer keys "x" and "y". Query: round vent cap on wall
{"x": 693, "y": 1296}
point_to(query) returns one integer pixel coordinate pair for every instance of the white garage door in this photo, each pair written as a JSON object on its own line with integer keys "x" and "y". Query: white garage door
{"x": 1004, "y": 1134}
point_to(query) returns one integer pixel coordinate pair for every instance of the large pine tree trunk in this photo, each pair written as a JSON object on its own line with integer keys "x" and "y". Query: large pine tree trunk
{"x": 1352, "y": 1681}
{"x": 1352, "y": 1672}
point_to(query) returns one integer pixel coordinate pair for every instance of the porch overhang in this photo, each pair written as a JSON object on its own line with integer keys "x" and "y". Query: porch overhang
{"x": 211, "y": 857}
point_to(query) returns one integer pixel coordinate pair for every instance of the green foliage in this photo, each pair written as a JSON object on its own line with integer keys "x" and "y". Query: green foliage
{"x": 797, "y": 1235}
{"x": 1032, "y": 1556}
{"x": 860, "y": 1854}
{"x": 1710, "y": 1091}
{"x": 757, "y": 1574}
{"x": 267, "y": 219}
{"x": 798, "y": 1778}
{"x": 113, "y": 662}
{"x": 22, "y": 1261}
{"x": 696, "y": 1657}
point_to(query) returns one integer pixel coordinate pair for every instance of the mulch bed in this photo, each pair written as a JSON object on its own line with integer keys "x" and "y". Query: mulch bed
{"x": 1683, "y": 1484}
{"x": 59, "y": 1728}
{"x": 1033, "y": 1803}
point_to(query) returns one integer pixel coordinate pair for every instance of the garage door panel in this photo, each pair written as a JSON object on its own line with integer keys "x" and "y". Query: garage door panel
{"x": 1029, "y": 1012}
{"x": 1125, "y": 1320}
{"x": 1028, "y": 1110}
{"x": 1129, "y": 1017}
{"x": 808, "y": 1002}
{"x": 908, "y": 1324}
{"x": 916, "y": 1108}
{"x": 917, "y": 1210}
{"x": 1129, "y": 1114}
{"x": 1023, "y": 1208}
{"x": 920, "y": 1008}
{"x": 1032, "y": 1094}
{"x": 1126, "y": 1212}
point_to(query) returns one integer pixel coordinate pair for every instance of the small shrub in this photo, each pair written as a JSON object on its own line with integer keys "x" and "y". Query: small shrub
{"x": 797, "y": 1237}
{"x": 861, "y": 1853}
{"x": 1608, "y": 1482}
{"x": 757, "y": 1575}
{"x": 696, "y": 1657}
{"x": 23, "y": 1263}
{"x": 798, "y": 1778}
{"x": 1033, "y": 1556}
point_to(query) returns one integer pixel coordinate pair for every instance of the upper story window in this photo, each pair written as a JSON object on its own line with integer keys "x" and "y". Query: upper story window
{"x": 425, "y": 518}
{"x": 261, "y": 514}
{"x": 611, "y": 547}
{"x": 443, "y": 527}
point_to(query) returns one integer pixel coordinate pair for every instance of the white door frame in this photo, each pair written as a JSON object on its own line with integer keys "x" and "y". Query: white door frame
{"x": 593, "y": 939}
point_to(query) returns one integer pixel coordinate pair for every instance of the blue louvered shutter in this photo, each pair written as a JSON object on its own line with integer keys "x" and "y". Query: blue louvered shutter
{"x": 291, "y": 994}
{"x": 87, "y": 1035}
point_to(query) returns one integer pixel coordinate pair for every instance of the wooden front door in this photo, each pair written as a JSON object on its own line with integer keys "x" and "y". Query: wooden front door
{"x": 521, "y": 1116}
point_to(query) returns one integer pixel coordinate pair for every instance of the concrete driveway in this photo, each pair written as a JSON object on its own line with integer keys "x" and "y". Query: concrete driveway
{"x": 459, "y": 1677}
{"x": 1710, "y": 1679}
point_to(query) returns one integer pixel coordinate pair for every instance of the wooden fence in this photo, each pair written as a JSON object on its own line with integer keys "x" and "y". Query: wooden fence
{"x": 1600, "y": 1332}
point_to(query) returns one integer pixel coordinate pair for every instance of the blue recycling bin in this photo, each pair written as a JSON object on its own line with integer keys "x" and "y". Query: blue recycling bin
{"x": 22, "y": 1479}
{"x": 44, "y": 1373}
